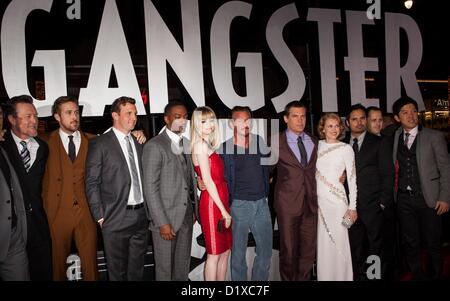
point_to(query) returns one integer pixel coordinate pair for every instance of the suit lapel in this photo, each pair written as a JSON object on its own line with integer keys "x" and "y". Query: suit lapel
{"x": 365, "y": 144}
{"x": 83, "y": 146}
{"x": 419, "y": 149}
{"x": 169, "y": 144}
{"x": 396, "y": 137}
{"x": 15, "y": 158}
{"x": 291, "y": 155}
{"x": 115, "y": 147}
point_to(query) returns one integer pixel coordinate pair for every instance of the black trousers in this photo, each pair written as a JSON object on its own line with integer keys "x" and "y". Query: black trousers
{"x": 366, "y": 239}
{"x": 389, "y": 252}
{"x": 125, "y": 248}
{"x": 420, "y": 225}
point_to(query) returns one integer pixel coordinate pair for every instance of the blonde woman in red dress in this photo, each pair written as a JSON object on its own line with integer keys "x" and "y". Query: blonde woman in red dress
{"x": 214, "y": 210}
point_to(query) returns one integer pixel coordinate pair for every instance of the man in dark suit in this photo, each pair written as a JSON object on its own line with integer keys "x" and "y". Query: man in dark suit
{"x": 13, "y": 225}
{"x": 423, "y": 187}
{"x": 296, "y": 195}
{"x": 115, "y": 195}
{"x": 28, "y": 155}
{"x": 389, "y": 233}
{"x": 375, "y": 180}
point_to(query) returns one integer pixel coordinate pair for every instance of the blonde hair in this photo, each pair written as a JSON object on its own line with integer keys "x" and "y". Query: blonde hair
{"x": 324, "y": 118}
{"x": 201, "y": 114}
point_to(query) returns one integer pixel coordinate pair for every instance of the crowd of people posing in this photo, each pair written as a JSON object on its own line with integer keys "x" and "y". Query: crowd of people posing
{"x": 337, "y": 200}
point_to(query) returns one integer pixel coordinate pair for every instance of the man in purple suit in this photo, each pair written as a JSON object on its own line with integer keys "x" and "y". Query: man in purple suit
{"x": 296, "y": 196}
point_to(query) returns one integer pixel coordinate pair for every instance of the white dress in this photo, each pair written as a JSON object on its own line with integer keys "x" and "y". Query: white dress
{"x": 334, "y": 261}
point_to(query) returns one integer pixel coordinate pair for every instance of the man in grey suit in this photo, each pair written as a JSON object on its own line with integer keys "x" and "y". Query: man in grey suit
{"x": 423, "y": 190}
{"x": 114, "y": 192}
{"x": 170, "y": 188}
{"x": 13, "y": 225}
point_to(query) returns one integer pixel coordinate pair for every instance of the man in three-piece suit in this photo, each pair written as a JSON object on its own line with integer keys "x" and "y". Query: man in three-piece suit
{"x": 296, "y": 195}
{"x": 374, "y": 179}
{"x": 64, "y": 192}
{"x": 28, "y": 154}
{"x": 423, "y": 190}
{"x": 115, "y": 195}
{"x": 170, "y": 188}
{"x": 13, "y": 225}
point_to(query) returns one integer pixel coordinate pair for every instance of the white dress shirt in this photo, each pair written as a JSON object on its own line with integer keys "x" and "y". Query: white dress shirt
{"x": 412, "y": 135}
{"x": 123, "y": 145}
{"x": 174, "y": 137}
{"x": 360, "y": 139}
{"x": 32, "y": 146}
{"x": 65, "y": 140}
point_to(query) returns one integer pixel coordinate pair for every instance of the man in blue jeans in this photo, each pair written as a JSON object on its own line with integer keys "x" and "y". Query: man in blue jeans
{"x": 248, "y": 185}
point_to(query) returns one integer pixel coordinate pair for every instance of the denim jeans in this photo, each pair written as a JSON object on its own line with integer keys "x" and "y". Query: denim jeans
{"x": 253, "y": 215}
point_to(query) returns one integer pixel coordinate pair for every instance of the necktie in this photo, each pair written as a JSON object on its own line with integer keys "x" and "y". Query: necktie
{"x": 180, "y": 144}
{"x": 355, "y": 145}
{"x": 407, "y": 139}
{"x": 303, "y": 154}
{"x": 25, "y": 154}
{"x": 134, "y": 172}
{"x": 72, "y": 153}
{"x": 186, "y": 171}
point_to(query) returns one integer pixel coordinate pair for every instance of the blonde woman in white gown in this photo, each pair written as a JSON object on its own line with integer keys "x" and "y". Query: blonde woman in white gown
{"x": 334, "y": 261}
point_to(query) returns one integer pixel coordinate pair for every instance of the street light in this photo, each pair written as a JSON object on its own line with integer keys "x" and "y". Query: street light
{"x": 408, "y": 4}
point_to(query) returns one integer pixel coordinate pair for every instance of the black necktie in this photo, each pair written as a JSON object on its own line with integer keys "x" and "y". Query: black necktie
{"x": 4, "y": 168}
{"x": 72, "y": 153}
{"x": 180, "y": 144}
{"x": 407, "y": 139}
{"x": 303, "y": 154}
{"x": 355, "y": 145}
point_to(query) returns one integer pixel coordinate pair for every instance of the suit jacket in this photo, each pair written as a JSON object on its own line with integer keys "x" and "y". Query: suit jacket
{"x": 165, "y": 185}
{"x": 108, "y": 180}
{"x": 374, "y": 172}
{"x": 63, "y": 179}
{"x": 31, "y": 184}
{"x": 296, "y": 186}
{"x": 5, "y": 209}
{"x": 433, "y": 164}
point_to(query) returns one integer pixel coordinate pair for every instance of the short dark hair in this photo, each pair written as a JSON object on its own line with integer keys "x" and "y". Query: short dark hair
{"x": 356, "y": 107}
{"x": 241, "y": 109}
{"x": 403, "y": 101}
{"x": 373, "y": 109}
{"x": 294, "y": 104}
{"x": 56, "y": 107}
{"x": 171, "y": 104}
{"x": 121, "y": 101}
{"x": 11, "y": 105}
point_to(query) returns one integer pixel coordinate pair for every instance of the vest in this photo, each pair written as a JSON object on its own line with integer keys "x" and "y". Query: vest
{"x": 408, "y": 174}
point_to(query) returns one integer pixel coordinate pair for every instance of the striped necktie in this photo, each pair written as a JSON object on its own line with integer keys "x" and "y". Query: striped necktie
{"x": 25, "y": 154}
{"x": 134, "y": 172}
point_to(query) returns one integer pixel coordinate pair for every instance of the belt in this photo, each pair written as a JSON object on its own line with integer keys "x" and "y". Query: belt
{"x": 410, "y": 192}
{"x": 134, "y": 207}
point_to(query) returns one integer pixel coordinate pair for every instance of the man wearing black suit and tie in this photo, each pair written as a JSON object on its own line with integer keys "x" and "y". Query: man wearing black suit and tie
{"x": 28, "y": 155}
{"x": 114, "y": 192}
{"x": 375, "y": 181}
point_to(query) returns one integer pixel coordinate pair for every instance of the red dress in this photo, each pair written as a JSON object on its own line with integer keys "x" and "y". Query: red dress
{"x": 215, "y": 242}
